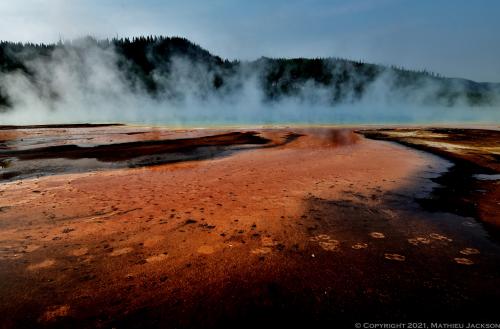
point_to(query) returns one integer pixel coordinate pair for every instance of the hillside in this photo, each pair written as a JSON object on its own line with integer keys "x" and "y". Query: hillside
{"x": 163, "y": 68}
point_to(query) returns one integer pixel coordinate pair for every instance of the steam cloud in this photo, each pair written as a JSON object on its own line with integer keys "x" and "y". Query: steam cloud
{"x": 90, "y": 87}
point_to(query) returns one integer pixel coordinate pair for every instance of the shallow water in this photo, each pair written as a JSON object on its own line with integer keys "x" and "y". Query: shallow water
{"x": 487, "y": 177}
{"x": 42, "y": 152}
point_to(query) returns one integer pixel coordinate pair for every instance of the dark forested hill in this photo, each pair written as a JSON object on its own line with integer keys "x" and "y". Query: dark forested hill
{"x": 162, "y": 67}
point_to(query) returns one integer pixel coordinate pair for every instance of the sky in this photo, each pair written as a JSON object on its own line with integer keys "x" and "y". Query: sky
{"x": 456, "y": 38}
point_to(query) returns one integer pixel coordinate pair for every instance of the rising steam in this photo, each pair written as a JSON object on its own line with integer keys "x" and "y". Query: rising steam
{"x": 84, "y": 82}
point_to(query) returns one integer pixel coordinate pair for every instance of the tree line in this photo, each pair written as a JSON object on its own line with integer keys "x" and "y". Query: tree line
{"x": 142, "y": 59}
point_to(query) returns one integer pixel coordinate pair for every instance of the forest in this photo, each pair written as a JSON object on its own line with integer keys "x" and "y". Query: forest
{"x": 147, "y": 64}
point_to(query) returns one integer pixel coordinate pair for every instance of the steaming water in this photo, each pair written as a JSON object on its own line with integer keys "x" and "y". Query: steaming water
{"x": 236, "y": 115}
{"x": 90, "y": 88}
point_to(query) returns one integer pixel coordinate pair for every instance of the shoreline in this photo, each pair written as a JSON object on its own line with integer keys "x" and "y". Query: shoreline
{"x": 283, "y": 125}
{"x": 460, "y": 191}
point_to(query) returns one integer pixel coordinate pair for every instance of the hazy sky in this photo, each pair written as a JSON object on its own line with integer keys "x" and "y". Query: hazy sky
{"x": 452, "y": 37}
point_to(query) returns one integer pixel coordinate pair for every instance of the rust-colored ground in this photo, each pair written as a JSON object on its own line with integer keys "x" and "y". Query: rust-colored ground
{"x": 314, "y": 227}
{"x": 472, "y": 187}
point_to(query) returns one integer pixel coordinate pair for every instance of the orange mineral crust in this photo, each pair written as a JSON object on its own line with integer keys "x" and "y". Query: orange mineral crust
{"x": 289, "y": 227}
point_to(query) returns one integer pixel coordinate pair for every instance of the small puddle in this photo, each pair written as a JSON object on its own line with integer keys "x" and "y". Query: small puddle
{"x": 487, "y": 177}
